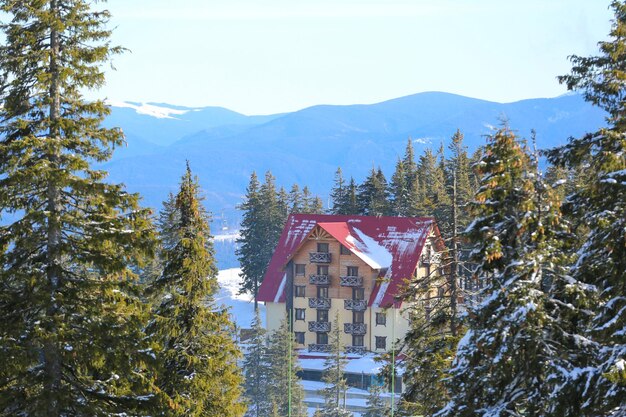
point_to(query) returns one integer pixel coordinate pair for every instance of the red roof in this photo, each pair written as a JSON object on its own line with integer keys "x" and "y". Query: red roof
{"x": 392, "y": 245}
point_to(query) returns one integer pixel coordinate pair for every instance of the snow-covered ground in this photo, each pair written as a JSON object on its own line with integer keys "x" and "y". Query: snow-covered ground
{"x": 241, "y": 305}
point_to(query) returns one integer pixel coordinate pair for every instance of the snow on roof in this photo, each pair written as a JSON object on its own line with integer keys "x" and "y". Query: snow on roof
{"x": 363, "y": 364}
{"x": 392, "y": 245}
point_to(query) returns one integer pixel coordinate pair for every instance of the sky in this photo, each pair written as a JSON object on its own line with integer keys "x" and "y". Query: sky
{"x": 271, "y": 56}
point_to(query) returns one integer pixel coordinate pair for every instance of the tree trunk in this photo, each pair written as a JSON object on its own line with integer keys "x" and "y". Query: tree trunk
{"x": 455, "y": 258}
{"x": 51, "y": 353}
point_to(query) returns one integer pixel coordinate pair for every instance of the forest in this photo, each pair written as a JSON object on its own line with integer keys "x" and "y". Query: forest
{"x": 108, "y": 309}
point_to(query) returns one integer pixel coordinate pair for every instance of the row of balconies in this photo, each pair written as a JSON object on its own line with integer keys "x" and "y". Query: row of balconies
{"x": 346, "y": 281}
{"x": 349, "y": 304}
{"x": 359, "y": 350}
{"x": 348, "y": 328}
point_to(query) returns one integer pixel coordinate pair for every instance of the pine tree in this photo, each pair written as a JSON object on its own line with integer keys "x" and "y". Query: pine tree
{"x": 70, "y": 334}
{"x": 338, "y": 194}
{"x": 399, "y": 191}
{"x": 600, "y": 204}
{"x": 508, "y": 351}
{"x": 284, "y": 387}
{"x": 295, "y": 199}
{"x": 256, "y": 370}
{"x": 333, "y": 376}
{"x": 352, "y": 204}
{"x": 376, "y": 406}
{"x": 372, "y": 197}
{"x": 253, "y": 264}
{"x": 199, "y": 371}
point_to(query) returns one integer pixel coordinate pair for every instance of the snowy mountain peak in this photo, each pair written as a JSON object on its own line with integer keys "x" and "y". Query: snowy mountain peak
{"x": 160, "y": 112}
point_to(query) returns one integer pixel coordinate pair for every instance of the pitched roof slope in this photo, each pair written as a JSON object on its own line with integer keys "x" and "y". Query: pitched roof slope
{"x": 390, "y": 244}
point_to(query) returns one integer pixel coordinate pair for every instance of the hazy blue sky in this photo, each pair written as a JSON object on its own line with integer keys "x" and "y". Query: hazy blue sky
{"x": 267, "y": 56}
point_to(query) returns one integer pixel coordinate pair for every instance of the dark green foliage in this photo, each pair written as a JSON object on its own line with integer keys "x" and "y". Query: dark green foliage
{"x": 253, "y": 238}
{"x": 376, "y": 405}
{"x": 600, "y": 204}
{"x": 338, "y": 194}
{"x": 198, "y": 357}
{"x": 333, "y": 376}
{"x": 256, "y": 370}
{"x": 509, "y": 349}
{"x": 372, "y": 197}
{"x": 400, "y": 192}
{"x": 284, "y": 390}
{"x": 70, "y": 334}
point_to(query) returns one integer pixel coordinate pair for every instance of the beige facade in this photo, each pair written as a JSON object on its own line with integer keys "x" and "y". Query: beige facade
{"x": 315, "y": 281}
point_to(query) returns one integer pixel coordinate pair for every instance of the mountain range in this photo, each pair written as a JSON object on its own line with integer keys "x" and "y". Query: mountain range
{"x": 306, "y": 146}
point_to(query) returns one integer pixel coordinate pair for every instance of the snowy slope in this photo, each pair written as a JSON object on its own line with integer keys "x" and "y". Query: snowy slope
{"x": 241, "y": 305}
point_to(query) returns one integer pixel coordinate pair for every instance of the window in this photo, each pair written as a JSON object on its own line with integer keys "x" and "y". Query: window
{"x": 353, "y": 271}
{"x": 322, "y": 338}
{"x": 358, "y": 294}
{"x": 440, "y": 292}
{"x": 299, "y": 269}
{"x": 300, "y": 313}
{"x": 358, "y": 317}
{"x": 357, "y": 340}
{"x": 322, "y": 270}
{"x": 381, "y": 319}
{"x": 299, "y": 338}
{"x": 344, "y": 251}
{"x": 322, "y": 292}
{"x": 381, "y": 342}
{"x": 300, "y": 290}
{"x": 322, "y": 247}
{"x": 322, "y": 315}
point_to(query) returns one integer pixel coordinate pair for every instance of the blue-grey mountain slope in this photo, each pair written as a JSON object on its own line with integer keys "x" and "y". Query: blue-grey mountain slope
{"x": 306, "y": 146}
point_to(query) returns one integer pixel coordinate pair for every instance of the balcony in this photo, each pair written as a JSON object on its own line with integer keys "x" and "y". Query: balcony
{"x": 319, "y": 348}
{"x": 319, "y": 279}
{"x": 319, "y": 257}
{"x": 351, "y": 281}
{"x": 319, "y": 303}
{"x": 357, "y": 350}
{"x": 354, "y": 328}
{"x": 354, "y": 305}
{"x": 431, "y": 258}
{"x": 319, "y": 326}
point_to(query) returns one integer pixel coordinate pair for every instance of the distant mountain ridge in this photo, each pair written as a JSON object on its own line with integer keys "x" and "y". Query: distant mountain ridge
{"x": 308, "y": 145}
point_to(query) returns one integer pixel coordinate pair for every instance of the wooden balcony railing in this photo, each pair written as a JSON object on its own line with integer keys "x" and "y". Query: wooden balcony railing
{"x": 319, "y": 257}
{"x": 351, "y": 281}
{"x": 319, "y": 303}
{"x": 355, "y": 305}
{"x": 355, "y": 328}
{"x": 319, "y": 279}
{"x": 319, "y": 326}
{"x": 356, "y": 350}
{"x": 315, "y": 347}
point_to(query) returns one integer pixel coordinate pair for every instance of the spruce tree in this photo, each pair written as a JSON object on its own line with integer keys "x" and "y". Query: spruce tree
{"x": 333, "y": 376}
{"x": 251, "y": 241}
{"x": 600, "y": 204}
{"x": 509, "y": 352}
{"x": 352, "y": 204}
{"x": 376, "y": 405}
{"x": 198, "y": 359}
{"x": 338, "y": 194}
{"x": 284, "y": 387}
{"x": 70, "y": 335}
{"x": 399, "y": 191}
{"x": 295, "y": 199}
{"x": 257, "y": 370}
{"x": 372, "y": 197}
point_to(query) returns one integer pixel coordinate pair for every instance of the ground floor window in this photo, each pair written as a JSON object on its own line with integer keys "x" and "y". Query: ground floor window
{"x": 322, "y": 338}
